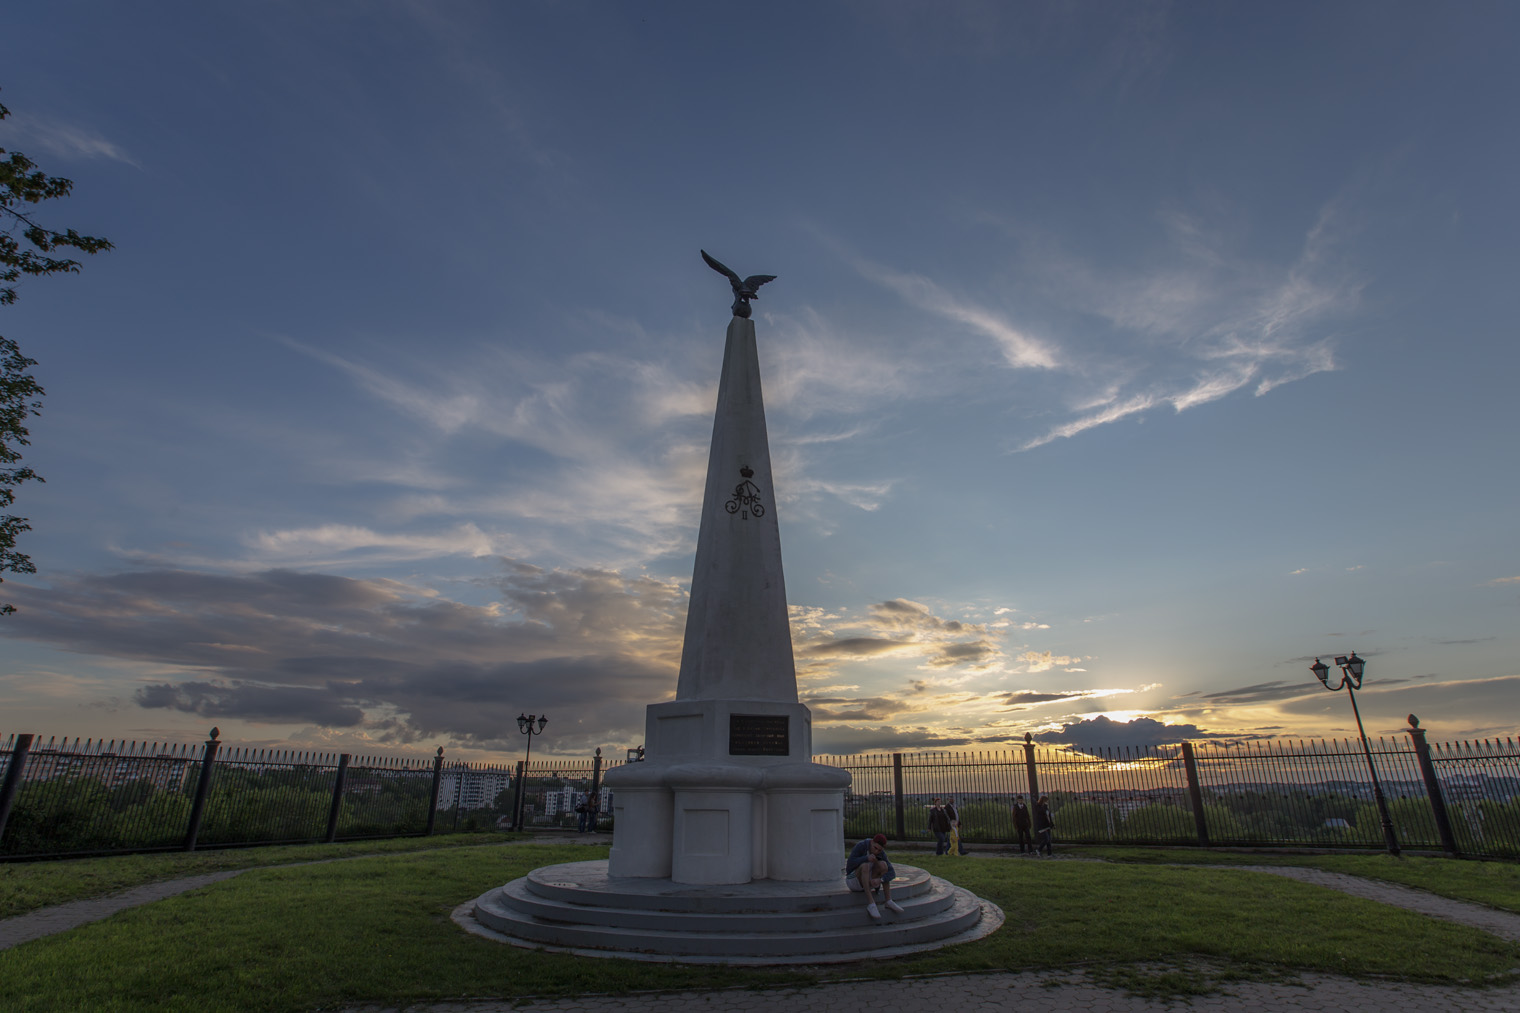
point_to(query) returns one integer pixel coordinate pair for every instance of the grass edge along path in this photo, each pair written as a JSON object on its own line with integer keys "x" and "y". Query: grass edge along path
{"x": 30, "y": 885}
{"x": 377, "y": 930}
{"x": 1491, "y": 882}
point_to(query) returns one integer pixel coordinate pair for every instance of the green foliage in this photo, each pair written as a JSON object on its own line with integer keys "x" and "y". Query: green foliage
{"x": 31, "y": 252}
{"x": 861, "y": 825}
{"x": 82, "y": 814}
{"x": 1223, "y": 824}
{"x": 1084, "y": 821}
{"x": 1490, "y": 827}
{"x": 265, "y": 814}
{"x": 1158, "y": 823}
{"x": 985, "y": 821}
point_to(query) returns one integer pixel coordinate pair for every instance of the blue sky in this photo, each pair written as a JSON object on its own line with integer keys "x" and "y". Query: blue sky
{"x": 1122, "y": 359}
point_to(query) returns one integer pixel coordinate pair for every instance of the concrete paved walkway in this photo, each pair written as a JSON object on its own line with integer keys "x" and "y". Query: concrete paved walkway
{"x": 49, "y": 921}
{"x": 1504, "y": 924}
{"x": 996, "y": 993}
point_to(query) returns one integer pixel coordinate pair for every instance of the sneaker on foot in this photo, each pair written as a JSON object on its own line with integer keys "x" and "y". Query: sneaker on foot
{"x": 873, "y": 911}
{"x": 894, "y": 907}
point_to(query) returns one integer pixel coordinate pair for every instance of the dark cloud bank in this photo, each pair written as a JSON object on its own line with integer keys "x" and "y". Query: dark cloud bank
{"x": 588, "y": 647}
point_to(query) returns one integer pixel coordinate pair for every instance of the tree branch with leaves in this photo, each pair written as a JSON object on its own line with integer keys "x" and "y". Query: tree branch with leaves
{"x": 26, "y": 248}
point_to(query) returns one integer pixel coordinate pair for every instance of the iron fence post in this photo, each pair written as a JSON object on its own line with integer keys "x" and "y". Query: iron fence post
{"x": 1034, "y": 781}
{"x": 432, "y": 819}
{"x": 897, "y": 793}
{"x": 337, "y": 799}
{"x": 19, "y": 751}
{"x": 517, "y": 799}
{"x": 594, "y": 803}
{"x": 459, "y": 772}
{"x": 1427, "y": 771}
{"x": 202, "y": 788}
{"x": 1195, "y": 794}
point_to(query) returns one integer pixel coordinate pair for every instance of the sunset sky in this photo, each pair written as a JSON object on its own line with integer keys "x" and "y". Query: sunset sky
{"x": 1122, "y": 359}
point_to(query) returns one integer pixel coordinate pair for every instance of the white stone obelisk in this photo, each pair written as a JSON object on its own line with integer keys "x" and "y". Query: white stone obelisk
{"x": 738, "y": 638}
{"x": 728, "y": 792}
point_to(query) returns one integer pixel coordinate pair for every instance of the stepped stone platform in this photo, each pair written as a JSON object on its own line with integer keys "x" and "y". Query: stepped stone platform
{"x": 578, "y": 908}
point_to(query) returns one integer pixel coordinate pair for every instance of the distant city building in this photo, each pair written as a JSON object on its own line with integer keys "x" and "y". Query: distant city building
{"x": 164, "y": 772}
{"x": 559, "y": 801}
{"x": 471, "y": 789}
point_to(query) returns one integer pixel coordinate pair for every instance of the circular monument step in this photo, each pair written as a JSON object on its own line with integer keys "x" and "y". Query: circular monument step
{"x": 589, "y": 883}
{"x": 576, "y": 907}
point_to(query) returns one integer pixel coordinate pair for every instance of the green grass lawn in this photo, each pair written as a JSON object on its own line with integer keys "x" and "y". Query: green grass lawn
{"x": 1496, "y": 884}
{"x": 377, "y": 930}
{"x": 26, "y": 886}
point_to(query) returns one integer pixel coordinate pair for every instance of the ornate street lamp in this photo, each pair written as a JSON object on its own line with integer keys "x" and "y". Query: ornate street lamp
{"x": 525, "y": 725}
{"x": 1351, "y": 677}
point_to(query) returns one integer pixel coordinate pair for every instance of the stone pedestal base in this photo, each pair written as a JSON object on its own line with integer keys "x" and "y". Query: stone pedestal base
{"x": 580, "y": 908}
{"x": 715, "y": 823}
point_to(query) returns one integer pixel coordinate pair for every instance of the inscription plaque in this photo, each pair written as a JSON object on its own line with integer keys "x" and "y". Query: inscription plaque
{"x": 759, "y": 735}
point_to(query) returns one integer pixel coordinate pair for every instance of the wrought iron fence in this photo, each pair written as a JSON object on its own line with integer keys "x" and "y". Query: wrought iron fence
{"x": 71, "y": 798}
{"x": 97, "y": 797}
{"x": 1461, "y": 798}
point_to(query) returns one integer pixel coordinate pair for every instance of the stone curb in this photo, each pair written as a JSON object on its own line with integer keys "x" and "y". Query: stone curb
{"x": 1046, "y": 991}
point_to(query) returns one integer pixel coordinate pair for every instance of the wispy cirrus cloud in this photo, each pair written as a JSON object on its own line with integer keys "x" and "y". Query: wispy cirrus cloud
{"x": 60, "y": 139}
{"x": 333, "y": 543}
{"x": 1020, "y": 349}
{"x": 1203, "y": 326}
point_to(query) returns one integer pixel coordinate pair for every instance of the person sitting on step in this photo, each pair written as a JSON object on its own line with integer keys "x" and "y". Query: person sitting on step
{"x": 869, "y": 869}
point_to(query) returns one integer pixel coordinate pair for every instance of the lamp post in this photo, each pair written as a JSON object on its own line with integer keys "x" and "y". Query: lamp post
{"x": 1351, "y": 677}
{"x": 525, "y": 724}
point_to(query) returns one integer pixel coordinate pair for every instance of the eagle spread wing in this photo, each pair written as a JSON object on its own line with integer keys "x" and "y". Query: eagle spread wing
{"x": 732, "y": 277}
{"x": 754, "y": 281}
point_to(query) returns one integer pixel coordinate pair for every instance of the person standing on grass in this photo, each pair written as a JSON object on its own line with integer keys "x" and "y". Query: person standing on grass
{"x": 939, "y": 822}
{"x": 1044, "y": 825}
{"x": 583, "y": 810}
{"x": 868, "y": 870}
{"x": 955, "y": 826}
{"x": 1021, "y": 824}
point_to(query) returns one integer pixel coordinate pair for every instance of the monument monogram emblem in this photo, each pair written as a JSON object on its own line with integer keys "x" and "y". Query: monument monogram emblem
{"x": 746, "y": 497}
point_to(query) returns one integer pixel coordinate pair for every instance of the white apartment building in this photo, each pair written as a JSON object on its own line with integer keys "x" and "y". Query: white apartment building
{"x": 564, "y": 800}
{"x": 471, "y": 789}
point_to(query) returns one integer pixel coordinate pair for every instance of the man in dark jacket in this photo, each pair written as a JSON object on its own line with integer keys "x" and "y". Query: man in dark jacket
{"x": 1021, "y": 824}
{"x": 955, "y": 821}
{"x": 1043, "y": 825}
{"x": 939, "y": 822}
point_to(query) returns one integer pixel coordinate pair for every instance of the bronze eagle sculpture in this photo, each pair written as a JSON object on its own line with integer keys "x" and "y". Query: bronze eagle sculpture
{"x": 744, "y": 290}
